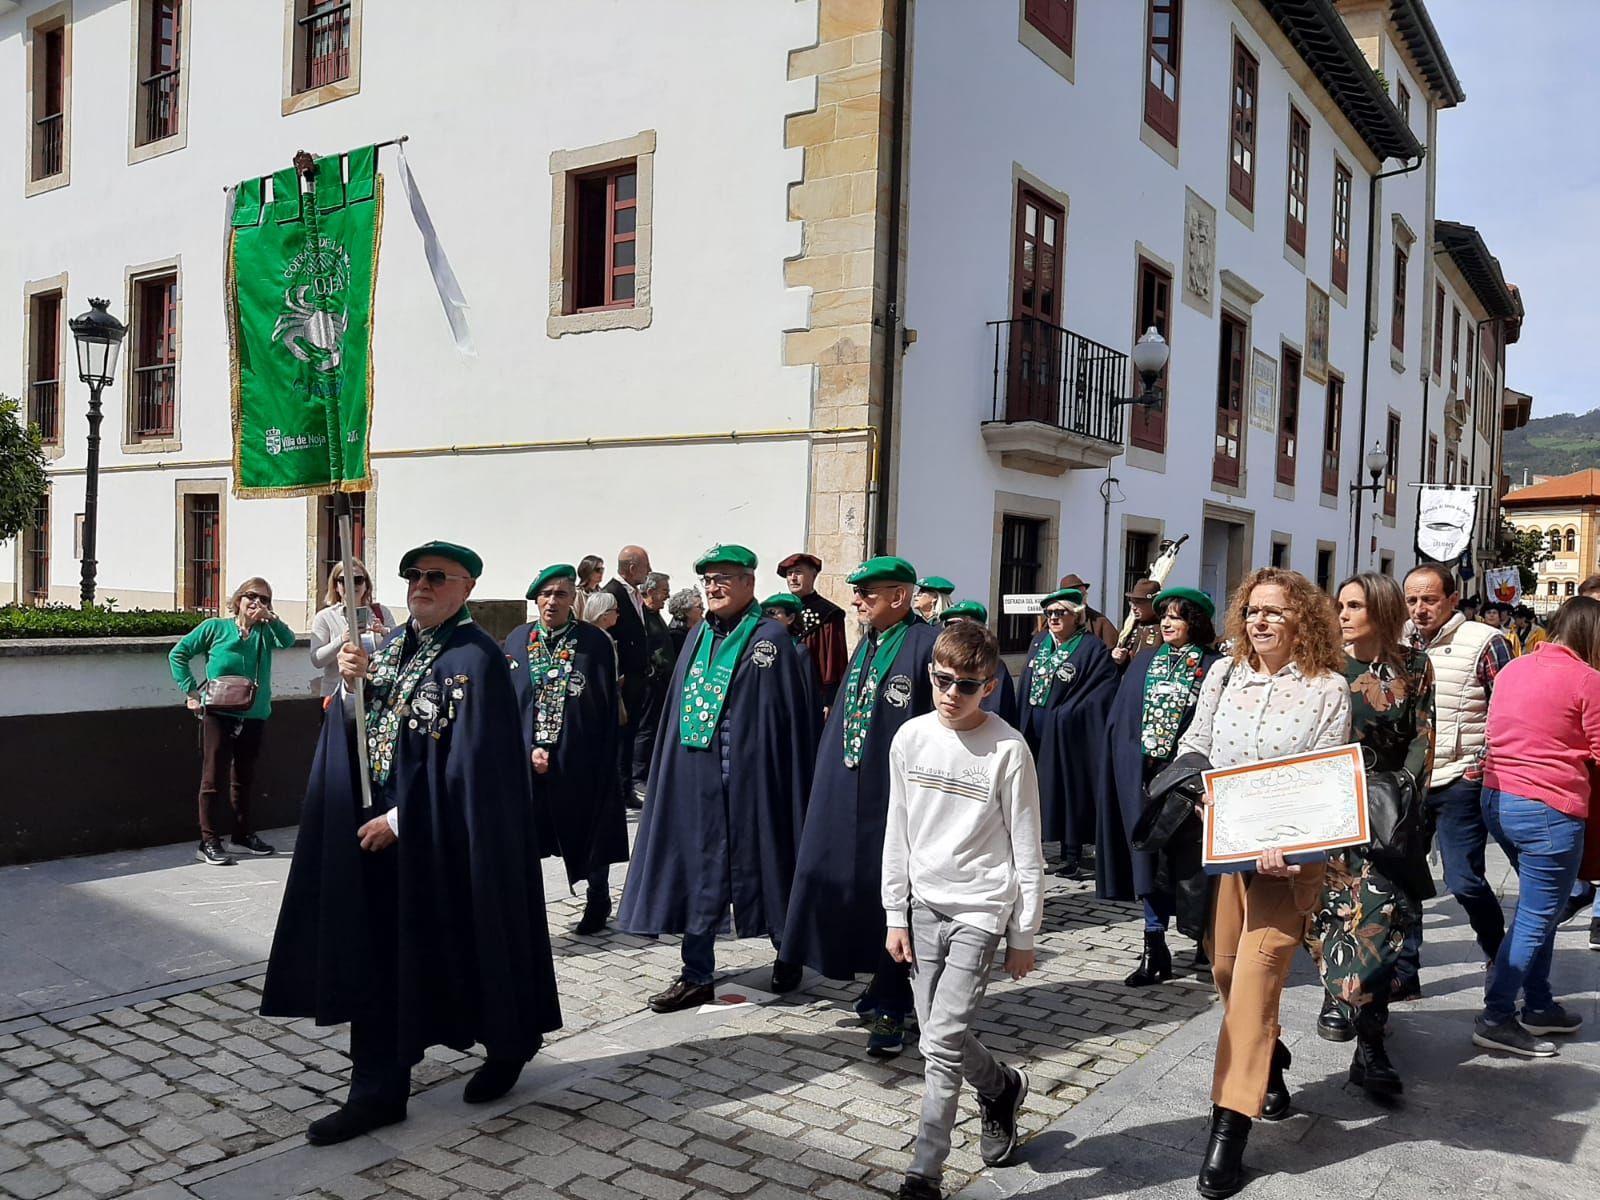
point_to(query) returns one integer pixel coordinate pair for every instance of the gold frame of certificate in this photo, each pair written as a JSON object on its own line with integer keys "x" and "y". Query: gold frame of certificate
{"x": 1302, "y": 804}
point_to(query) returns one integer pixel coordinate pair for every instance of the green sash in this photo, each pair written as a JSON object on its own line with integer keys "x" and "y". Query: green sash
{"x": 1047, "y": 660}
{"x": 861, "y": 698}
{"x": 549, "y": 672}
{"x": 705, "y": 688}
{"x": 389, "y": 689}
{"x": 1171, "y": 686}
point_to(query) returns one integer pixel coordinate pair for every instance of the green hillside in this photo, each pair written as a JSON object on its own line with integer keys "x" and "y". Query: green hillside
{"x": 1557, "y": 445}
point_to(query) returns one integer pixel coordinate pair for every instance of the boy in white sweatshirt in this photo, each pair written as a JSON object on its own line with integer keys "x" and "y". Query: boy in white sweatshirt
{"x": 962, "y": 868}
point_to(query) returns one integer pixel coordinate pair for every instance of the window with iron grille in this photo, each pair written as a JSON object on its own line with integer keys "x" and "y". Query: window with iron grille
{"x": 49, "y": 103}
{"x": 1391, "y": 477}
{"x": 329, "y": 550}
{"x": 1438, "y": 331}
{"x": 1341, "y": 226}
{"x": 158, "y": 85}
{"x": 1053, "y": 18}
{"x": 1332, "y": 435}
{"x": 1299, "y": 181}
{"x": 1231, "y": 367}
{"x": 1289, "y": 417}
{"x": 44, "y": 365}
{"x": 1021, "y": 539}
{"x": 1137, "y": 555}
{"x": 1147, "y": 424}
{"x": 1397, "y": 317}
{"x": 605, "y": 247}
{"x": 36, "y": 554}
{"x": 1164, "y": 26}
{"x": 1242, "y": 138}
{"x": 155, "y": 357}
{"x": 202, "y": 552}
{"x": 325, "y": 30}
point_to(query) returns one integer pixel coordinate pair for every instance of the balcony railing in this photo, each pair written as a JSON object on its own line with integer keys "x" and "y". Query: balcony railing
{"x": 44, "y": 410}
{"x": 155, "y": 396}
{"x": 1048, "y": 374}
{"x": 160, "y": 106}
{"x": 327, "y": 34}
{"x": 48, "y": 137}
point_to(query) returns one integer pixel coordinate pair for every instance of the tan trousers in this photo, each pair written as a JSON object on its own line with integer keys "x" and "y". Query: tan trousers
{"x": 1257, "y": 925}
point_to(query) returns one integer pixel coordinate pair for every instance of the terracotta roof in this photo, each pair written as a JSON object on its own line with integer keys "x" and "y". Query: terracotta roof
{"x": 1579, "y": 486}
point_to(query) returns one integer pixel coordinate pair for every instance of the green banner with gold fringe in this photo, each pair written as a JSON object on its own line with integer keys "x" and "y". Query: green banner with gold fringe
{"x": 302, "y": 274}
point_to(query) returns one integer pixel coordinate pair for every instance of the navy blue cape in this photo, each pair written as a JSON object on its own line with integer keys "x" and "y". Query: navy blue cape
{"x": 1002, "y": 702}
{"x": 836, "y": 923}
{"x": 446, "y": 928}
{"x": 1122, "y": 873}
{"x": 577, "y": 803}
{"x": 1067, "y": 736}
{"x": 720, "y": 826}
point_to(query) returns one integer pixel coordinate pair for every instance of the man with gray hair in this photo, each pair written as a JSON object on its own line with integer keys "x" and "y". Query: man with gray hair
{"x": 658, "y": 648}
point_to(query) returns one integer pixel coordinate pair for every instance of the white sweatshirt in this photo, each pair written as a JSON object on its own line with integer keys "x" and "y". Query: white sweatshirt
{"x": 963, "y": 828}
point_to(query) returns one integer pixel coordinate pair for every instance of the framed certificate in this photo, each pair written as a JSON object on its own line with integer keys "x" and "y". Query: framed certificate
{"x": 1304, "y": 805}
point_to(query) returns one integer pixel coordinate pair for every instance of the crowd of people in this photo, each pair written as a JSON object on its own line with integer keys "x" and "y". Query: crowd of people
{"x": 881, "y": 812}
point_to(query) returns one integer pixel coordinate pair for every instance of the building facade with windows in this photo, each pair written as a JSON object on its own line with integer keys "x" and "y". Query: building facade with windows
{"x": 875, "y": 290}
{"x": 1565, "y": 511}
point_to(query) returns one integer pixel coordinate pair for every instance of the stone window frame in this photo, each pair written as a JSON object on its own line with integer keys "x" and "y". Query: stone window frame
{"x": 56, "y": 16}
{"x": 1404, "y": 243}
{"x": 133, "y": 277}
{"x": 1146, "y": 457}
{"x": 1035, "y": 508}
{"x": 66, "y": 368}
{"x": 139, "y": 49}
{"x": 565, "y": 168}
{"x": 315, "y": 580}
{"x": 182, "y": 489}
{"x": 296, "y": 99}
{"x": 1055, "y": 56}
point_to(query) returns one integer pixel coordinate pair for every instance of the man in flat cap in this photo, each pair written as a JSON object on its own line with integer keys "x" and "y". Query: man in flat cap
{"x": 1095, "y": 622}
{"x": 1002, "y": 702}
{"x": 821, "y": 624}
{"x": 728, "y": 784}
{"x": 933, "y": 593}
{"x": 421, "y": 919}
{"x": 1146, "y": 631}
{"x": 836, "y": 923}
{"x": 565, "y": 675}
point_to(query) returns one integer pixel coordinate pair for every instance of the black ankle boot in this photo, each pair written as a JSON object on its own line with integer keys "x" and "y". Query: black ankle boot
{"x": 1222, "y": 1173}
{"x": 1276, "y": 1105}
{"x": 1333, "y": 1025}
{"x": 1371, "y": 1068}
{"x": 1155, "y": 964}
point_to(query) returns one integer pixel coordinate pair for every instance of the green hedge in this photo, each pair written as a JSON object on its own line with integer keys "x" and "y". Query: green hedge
{"x": 68, "y": 621}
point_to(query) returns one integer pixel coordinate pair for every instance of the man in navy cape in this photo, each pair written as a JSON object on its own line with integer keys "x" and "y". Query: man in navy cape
{"x": 421, "y": 920}
{"x": 728, "y": 784}
{"x": 1064, "y": 698}
{"x": 836, "y": 923}
{"x": 1002, "y": 701}
{"x": 785, "y": 608}
{"x": 565, "y": 675}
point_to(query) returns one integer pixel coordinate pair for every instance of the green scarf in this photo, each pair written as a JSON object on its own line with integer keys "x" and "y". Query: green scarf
{"x": 861, "y": 698}
{"x": 1047, "y": 660}
{"x": 1171, "y": 687}
{"x": 705, "y": 688}
{"x": 549, "y": 672}
{"x": 389, "y": 688}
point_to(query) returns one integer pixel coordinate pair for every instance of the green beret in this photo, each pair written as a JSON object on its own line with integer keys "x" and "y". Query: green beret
{"x": 459, "y": 555}
{"x": 788, "y": 601}
{"x": 1193, "y": 595}
{"x": 886, "y": 568}
{"x": 554, "y": 571}
{"x": 935, "y": 583}
{"x": 730, "y": 556}
{"x": 1072, "y": 594}
{"x": 969, "y": 609}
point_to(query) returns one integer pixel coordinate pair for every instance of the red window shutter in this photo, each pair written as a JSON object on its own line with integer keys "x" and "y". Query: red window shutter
{"x": 1332, "y": 434}
{"x": 1341, "y": 227}
{"x": 1230, "y": 403}
{"x": 1164, "y": 25}
{"x": 1299, "y": 181}
{"x": 1054, "y": 19}
{"x": 1147, "y": 426}
{"x": 1242, "y": 155}
{"x": 1391, "y": 477}
{"x": 1289, "y": 417}
{"x": 1397, "y": 326}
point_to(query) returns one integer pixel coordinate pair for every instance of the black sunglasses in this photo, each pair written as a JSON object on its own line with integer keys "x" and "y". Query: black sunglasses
{"x": 943, "y": 681}
{"x": 257, "y": 597}
{"x": 435, "y": 577}
{"x": 361, "y": 580}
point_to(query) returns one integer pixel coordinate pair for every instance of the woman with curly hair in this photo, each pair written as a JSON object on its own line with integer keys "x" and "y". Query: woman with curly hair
{"x": 1280, "y": 691}
{"x": 1370, "y": 900}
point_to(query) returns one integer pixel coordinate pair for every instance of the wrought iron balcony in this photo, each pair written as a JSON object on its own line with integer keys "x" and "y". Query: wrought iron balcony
{"x": 1054, "y": 403}
{"x": 327, "y": 54}
{"x": 44, "y": 410}
{"x": 160, "y": 106}
{"x": 48, "y": 146}
{"x": 155, "y": 396}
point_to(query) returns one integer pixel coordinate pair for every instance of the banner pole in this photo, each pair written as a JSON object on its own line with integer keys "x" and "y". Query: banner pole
{"x": 341, "y": 503}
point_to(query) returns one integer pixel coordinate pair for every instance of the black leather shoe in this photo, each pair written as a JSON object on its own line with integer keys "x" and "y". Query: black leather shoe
{"x": 785, "y": 976}
{"x": 1200, "y": 962}
{"x": 494, "y": 1079}
{"x": 596, "y": 912}
{"x": 352, "y": 1121}
{"x": 1409, "y": 988}
{"x": 681, "y": 995}
{"x": 1333, "y": 1025}
{"x": 1370, "y": 1068}
{"x": 1155, "y": 964}
{"x": 1222, "y": 1174}
{"x": 1276, "y": 1105}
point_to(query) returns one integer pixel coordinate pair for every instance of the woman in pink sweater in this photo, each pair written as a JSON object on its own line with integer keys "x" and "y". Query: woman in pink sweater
{"x": 1544, "y": 731}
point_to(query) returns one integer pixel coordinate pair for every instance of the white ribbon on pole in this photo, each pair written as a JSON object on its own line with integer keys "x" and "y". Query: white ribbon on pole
{"x": 444, "y": 279}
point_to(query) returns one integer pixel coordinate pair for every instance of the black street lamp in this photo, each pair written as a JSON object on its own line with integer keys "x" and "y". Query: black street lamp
{"x": 1150, "y": 355}
{"x": 99, "y": 338}
{"x": 1377, "y": 462}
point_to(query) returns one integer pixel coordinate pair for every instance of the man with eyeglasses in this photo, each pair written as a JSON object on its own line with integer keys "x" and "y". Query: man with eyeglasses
{"x": 728, "y": 784}
{"x": 1065, "y": 697}
{"x": 821, "y": 624}
{"x": 421, "y": 919}
{"x": 836, "y": 923}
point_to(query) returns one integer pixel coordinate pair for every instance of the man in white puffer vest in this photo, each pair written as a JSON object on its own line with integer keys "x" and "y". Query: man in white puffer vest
{"x": 1466, "y": 656}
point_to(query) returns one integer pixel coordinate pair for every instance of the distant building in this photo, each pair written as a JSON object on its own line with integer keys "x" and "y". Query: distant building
{"x": 1566, "y": 511}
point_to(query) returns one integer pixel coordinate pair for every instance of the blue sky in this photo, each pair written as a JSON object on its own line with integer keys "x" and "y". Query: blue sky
{"x": 1521, "y": 161}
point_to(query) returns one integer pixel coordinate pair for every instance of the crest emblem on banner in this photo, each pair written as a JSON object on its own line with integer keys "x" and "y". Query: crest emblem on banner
{"x": 1446, "y": 517}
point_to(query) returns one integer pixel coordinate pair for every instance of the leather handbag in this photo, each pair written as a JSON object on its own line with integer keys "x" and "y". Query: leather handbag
{"x": 1397, "y": 815}
{"x": 231, "y": 693}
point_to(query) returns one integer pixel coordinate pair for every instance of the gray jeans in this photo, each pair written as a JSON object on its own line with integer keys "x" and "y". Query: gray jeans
{"x": 948, "y": 980}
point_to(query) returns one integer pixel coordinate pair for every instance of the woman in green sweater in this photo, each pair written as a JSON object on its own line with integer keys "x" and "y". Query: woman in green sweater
{"x": 241, "y": 644}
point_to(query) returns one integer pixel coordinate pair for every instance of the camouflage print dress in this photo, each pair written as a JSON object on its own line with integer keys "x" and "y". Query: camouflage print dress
{"x": 1366, "y": 906}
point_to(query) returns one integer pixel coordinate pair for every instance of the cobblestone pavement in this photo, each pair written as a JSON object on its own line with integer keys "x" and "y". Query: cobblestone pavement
{"x": 196, "y": 1095}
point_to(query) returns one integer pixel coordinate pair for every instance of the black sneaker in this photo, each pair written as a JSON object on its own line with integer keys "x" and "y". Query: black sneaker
{"x": 999, "y": 1119}
{"x": 1576, "y": 904}
{"x": 1409, "y": 988}
{"x": 1512, "y": 1038}
{"x": 681, "y": 995}
{"x": 1594, "y": 933}
{"x": 251, "y": 844}
{"x": 786, "y": 976}
{"x": 212, "y": 854}
{"x": 915, "y": 1187}
{"x": 1554, "y": 1019}
{"x": 888, "y": 1036}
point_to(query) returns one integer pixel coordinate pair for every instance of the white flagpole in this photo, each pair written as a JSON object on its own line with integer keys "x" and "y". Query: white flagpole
{"x": 352, "y": 628}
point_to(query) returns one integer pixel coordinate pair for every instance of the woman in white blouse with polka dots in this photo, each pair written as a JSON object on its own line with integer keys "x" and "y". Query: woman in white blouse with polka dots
{"x": 1281, "y": 692}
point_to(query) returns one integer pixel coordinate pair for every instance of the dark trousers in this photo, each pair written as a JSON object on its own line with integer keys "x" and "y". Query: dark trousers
{"x": 644, "y": 735}
{"x": 378, "y": 1078}
{"x": 890, "y": 988}
{"x": 229, "y": 748}
{"x": 634, "y": 698}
